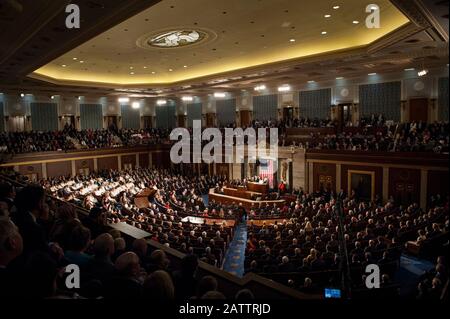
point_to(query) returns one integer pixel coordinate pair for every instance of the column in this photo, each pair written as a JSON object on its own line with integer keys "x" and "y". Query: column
{"x": 95, "y": 164}
{"x": 137, "y": 160}
{"x": 74, "y": 171}
{"x": 385, "y": 187}
{"x": 119, "y": 162}
{"x": 423, "y": 188}
{"x": 310, "y": 177}
{"x": 44, "y": 170}
{"x": 338, "y": 178}
{"x": 150, "y": 160}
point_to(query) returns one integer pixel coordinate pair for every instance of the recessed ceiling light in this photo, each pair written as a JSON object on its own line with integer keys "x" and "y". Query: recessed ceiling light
{"x": 422, "y": 72}
{"x": 372, "y": 73}
{"x": 132, "y": 73}
{"x": 187, "y": 98}
{"x": 75, "y": 59}
{"x": 131, "y": 68}
{"x": 184, "y": 66}
{"x": 145, "y": 67}
{"x": 410, "y": 69}
{"x": 153, "y": 72}
{"x": 339, "y": 78}
{"x": 284, "y": 88}
{"x": 63, "y": 65}
{"x": 336, "y": 7}
{"x": 123, "y": 99}
{"x": 81, "y": 61}
{"x": 135, "y": 105}
{"x": 52, "y": 97}
{"x": 170, "y": 70}
{"x": 327, "y": 15}
{"x": 311, "y": 81}
{"x": 260, "y": 87}
{"x": 22, "y": 95}
{"x": 161, "y": 102}
{"x": 79, "y": 98}
{"x": 219, "y": 94}
{"x": 355, "y": 21}
{"x": 292, "y": 40}
{"x": 324, "y": 32}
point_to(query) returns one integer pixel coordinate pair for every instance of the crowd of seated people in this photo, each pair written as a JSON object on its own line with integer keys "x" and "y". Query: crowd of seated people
{"x": 113, "y": 192}
{"x": 431, "y": 284}
{"x": 40, "y": 237}
{"x": 306, "y": 244}
{"x": 405, "y": 137}
{"x": 71, "y": 139}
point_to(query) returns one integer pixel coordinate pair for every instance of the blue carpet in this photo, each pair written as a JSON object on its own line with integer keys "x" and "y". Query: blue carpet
{"x": 235, "y": 256}
{"x": 205, "y": 200}
{"x": 411, "y": 268}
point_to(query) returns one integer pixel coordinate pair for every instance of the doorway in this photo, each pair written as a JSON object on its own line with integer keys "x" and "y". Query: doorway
{"x": 288, "y": 114}
{"x": 344, "y": 115}
{"x": 67, "y": 121}
{"x": 112, "y": 122}
{"x": 418, "y": 110}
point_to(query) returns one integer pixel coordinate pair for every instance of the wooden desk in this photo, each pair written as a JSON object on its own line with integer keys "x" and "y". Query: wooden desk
{"x": 240, "y": 193}
{"x": 257, "y": 187}
{"x": 247, "y": 203}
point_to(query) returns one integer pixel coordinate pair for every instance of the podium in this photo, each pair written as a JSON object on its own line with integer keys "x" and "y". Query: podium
{"x": 258, "y": 188}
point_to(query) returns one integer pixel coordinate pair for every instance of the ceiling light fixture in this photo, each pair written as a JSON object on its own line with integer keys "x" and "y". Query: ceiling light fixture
{"x": 52, "y": 97}
{"x": 22, "y": 95}
{"x": 63, "y": 65}
{"x": 132, "y": 73}
{"x": 324, "y": 32}
{"x": 372, "y": 73}
{"x": 336, "y": 7}
{"x": 422, "y": 72}
{"x": 75, "y": 59}
{"x": 284, "y": 88}
{"x": 292, "y": 40}
{"x": 219, "y": 94}
{"x": 409, "y": 69}
{"x": 260, "y": 87}
{"x": 311, "y": 81}
{"x": 184, "y": 66}
{"x": 145, "y": 67}
{"x": 170, "y": 70}
{"x": 123, "y": 99}
{"x": 135, "y": 105}
{"x": 187, "y": 98}
{"x": 79, "y": 98}
{"x": 161, "y": 102}
{"x": 327, "y": 15}
{"x": 339, "y": 78}
{"x": 81, "y": 61}
{"x": 355, "y": 21}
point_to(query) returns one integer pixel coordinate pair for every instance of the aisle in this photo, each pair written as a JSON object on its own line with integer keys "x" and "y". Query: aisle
{"x": 235, "y": 256}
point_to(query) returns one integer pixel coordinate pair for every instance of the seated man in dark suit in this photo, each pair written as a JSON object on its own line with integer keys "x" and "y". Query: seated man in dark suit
{"x": 30, "y": 218}
{"x": 286, "y": 265}
{"x": 7, "y": 194}
{"x": 11, "y": 246}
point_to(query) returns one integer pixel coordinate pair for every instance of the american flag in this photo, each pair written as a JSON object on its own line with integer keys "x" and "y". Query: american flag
{"x": 266, "y": 170}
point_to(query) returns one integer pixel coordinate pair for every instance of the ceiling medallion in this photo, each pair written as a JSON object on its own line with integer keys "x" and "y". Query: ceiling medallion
{"x": 175, "y": 38}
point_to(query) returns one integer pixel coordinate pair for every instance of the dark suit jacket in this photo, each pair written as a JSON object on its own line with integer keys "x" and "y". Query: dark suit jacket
{"x": 33, "y": 234}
